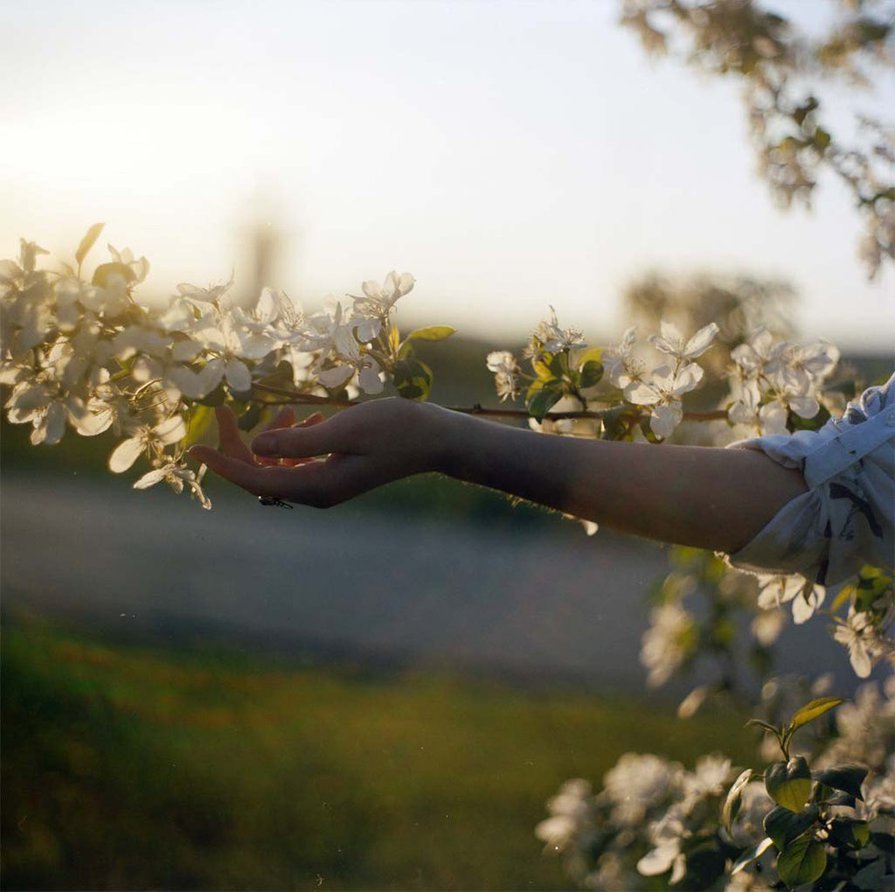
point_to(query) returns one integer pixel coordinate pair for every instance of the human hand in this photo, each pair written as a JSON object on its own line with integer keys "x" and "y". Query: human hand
{"x": 321, "y": 462}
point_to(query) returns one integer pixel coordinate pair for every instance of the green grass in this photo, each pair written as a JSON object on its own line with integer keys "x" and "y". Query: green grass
{"x": 128, "y": 767}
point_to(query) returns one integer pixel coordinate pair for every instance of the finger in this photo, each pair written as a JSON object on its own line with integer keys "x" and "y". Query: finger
{"x": 257, "y": 480}
{"x": 228, "y": 430}
{"x": 318, "y": 438}
{"x": 320, "y": 484}
{"x": 313, "y": 418}
{"x": 284, "y": 418}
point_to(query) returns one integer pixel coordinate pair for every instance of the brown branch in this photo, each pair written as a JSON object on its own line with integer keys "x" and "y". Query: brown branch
{"x": 294, "y": 396}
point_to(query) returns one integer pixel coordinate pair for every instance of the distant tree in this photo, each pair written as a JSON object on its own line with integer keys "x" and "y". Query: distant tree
{"x": 739, "y": 305}
{"x": 791, "y": 76}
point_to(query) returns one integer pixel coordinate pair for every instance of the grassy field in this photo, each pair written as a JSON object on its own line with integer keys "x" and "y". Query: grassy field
{"x": 129, "y": 767}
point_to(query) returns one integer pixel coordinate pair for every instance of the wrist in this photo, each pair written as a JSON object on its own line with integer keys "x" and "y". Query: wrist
{"x": 445, "y": 438}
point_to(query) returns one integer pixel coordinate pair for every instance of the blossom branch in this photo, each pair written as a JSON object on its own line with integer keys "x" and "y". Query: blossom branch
{"x": 294, "y": 396}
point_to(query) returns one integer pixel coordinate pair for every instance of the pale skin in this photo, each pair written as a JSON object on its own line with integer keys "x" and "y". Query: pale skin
{"x": 689, "y": 495}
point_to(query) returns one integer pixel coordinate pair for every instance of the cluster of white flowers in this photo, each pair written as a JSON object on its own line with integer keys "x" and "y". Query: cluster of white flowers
{"x": 652, "y": 815}
{"x": 865, "y": 728}
{"x": 662, "y": 388}
{"x": 87, "y": 355}
{"x": 648, "y": 803}
{"x": 563, "y": 366}
{"x": 864, "y": 633}
{"x": 549, "y": 337}
{"x": 667, "y": 643}
{"x": 694, "y": 813}
{"x": 506, "y": 373}
{"x": 770, "y": 378}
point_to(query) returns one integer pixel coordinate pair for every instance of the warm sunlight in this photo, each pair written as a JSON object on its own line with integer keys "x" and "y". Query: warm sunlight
{"x": 546, "y": 167}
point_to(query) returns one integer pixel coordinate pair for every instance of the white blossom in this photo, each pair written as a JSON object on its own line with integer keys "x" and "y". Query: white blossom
{"x": 378, "y": 300}
{"x": 667, "y": 835}
{"x": 165, "y": 433}
{"x": 571, "y": 817}
{"x": 621, "y": 366}
{"x": 663, "y": 392}
{"x": 506, "y": 371}
{"x": 857, "y": 633}
{"x": 806, "y": 597}
{"x": 639, "y": 783}
{"x": 175, "y": 475}
{"x": 671, "y": 341}
{"x": 553, "y": 339}
{"x": 771, "y": 378}
{"x": 667, "y": 642}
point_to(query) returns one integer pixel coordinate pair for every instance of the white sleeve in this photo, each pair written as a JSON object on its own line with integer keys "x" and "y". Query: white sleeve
{"x": 847, "y": 517}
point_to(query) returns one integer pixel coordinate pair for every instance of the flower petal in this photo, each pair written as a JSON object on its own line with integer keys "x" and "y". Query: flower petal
{"x": 238, "y": 376}
{"x": 701, "y": 341}
{"x": 666, "y": 418}
{"x": 150, "y": 479}
{"x": 125, "y": 454}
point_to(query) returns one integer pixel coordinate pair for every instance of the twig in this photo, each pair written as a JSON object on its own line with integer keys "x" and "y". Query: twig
{"x": 294, "y": 396}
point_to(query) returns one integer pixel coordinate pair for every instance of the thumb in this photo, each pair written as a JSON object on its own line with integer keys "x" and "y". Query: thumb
{"x": 297, "y": 442}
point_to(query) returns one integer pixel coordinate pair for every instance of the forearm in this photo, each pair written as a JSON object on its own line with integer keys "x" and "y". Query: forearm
{"x": 706, "y": 497}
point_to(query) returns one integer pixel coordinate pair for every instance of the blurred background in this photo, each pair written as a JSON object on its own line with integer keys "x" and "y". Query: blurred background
{"x": 384, "y": 695}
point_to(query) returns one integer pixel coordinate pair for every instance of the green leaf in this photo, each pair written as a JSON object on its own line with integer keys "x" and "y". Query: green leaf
{"x": 592, "y": 354}
{"x": 828, "y": 796}
{"x": 251, "y": 417}
{"x": 412, "y": 379}
{"x": 281, "y": 376}
{"x": 88, "y": 242}
{"x": 217, "y": 397}
{"x": 540, "y": 404}
{"x": 591, "y": 373}
{"x": 797, "y": 423}
{"x": 705, "y": 864}
{"x": 558, "y": 362}
{"x": 789, "y": 783}
{"x": 647, "y": 431}
{"x": 810, "y": 711}
{"x": 885, "y": 842}
{"x": 842, "y": 598}
{"x": 751, "y": 855}
{"x": 619, "y": 422}
{"x": 394, "y": 337}
{"x": 766, "y": 725}
{"x": 734, "y": 800}
{"x": 846, "y": 833}
{"x": 431, "y": 333}
{"x": 847, "y": 778}
{"x": 411, "y": 391}
{"x": 200, "y": 419}
{"x": 871, "y": 876}
{"x": 782, "y": 825}
{"x": 802, "y": 861}
{"x": 542, "y": 370}
{"x": 873, "y": 583}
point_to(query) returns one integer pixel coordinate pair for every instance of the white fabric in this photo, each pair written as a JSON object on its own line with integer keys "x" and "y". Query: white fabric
{"x": 847, "y": 517}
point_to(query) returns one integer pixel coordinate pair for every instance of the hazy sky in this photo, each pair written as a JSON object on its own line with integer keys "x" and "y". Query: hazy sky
{"x": 510, "y": 154}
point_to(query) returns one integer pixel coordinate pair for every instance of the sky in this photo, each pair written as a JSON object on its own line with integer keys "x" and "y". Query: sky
{"x": 511, "y": 155}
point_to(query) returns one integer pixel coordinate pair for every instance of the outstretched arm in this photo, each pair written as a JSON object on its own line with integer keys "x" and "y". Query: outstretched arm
{"x": 690, "y": 495}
